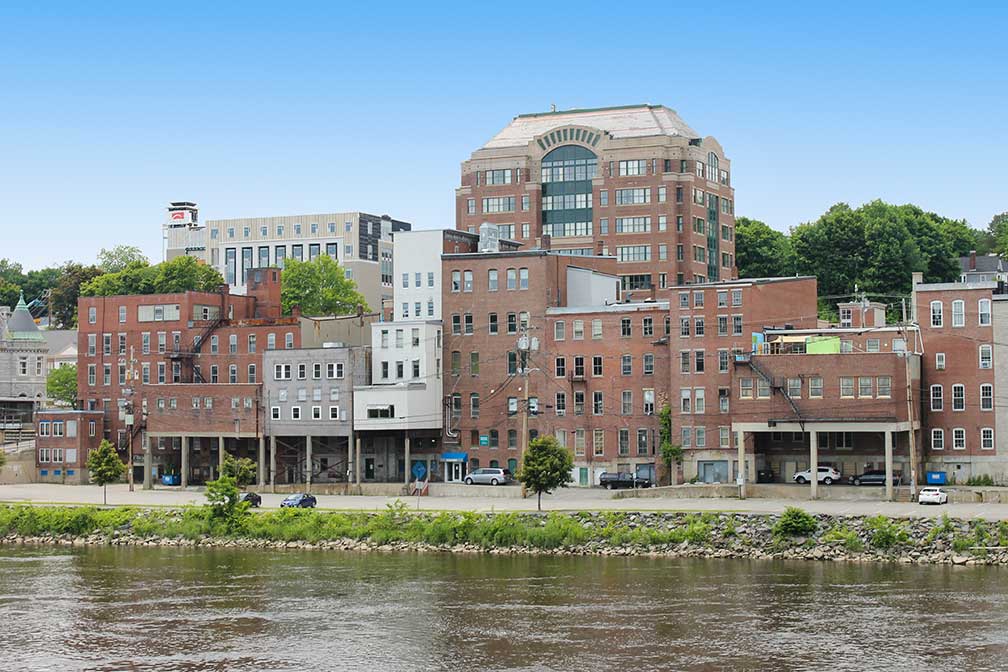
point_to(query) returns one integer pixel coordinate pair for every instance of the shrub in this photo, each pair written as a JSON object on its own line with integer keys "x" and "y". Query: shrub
{"x": 945, "y": 527}
{"x": 850, "y": 539}
{"x": 795, "y": 522}
{"x": 1003, "y": 533}
{"x": 885, "y": 532}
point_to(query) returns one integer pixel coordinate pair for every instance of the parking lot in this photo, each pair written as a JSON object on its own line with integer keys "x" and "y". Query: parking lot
{"x": 570, "y": 499}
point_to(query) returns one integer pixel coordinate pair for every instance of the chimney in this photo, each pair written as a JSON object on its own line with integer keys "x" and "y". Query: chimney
{"x": 972, "y": 265}
{"x": 917, "y": 278}
{"x": 598, "y": 248}
{"x": 652, "y": 292}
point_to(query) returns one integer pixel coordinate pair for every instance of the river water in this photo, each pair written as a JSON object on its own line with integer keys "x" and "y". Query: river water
{"x": 195, "y": 610}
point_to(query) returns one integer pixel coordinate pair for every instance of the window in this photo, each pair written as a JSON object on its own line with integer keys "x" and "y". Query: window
{"x": 958, "y": 313}
{"x": 846, "y": 386}
{"x": 638, "y": 196}
{"x": 512, "y": 278}
{"x": 884, "y": 387}
{"x": 647, "y": 325}
{"x": 471, "y": 206}
{"x": 872, "y": 345}
{"x": 456, "y": 281}
{"x": 686, "y": 437}
{"x": 794, "y": 387}
{"x": 561, "y": 403}
{"x": 700, "y": 437}
{"x": 958, "y": 439}
{"x": 523, "y": 278}
{"x": 92, "y": 314}
{"x": 597, "y": 405}
{"x": 468, "y": 322}
{"x": 579, "y": 401}
{"x": 474, "y": 405}
{"x": 512, "y": 323}
{"x": 597, "y": 366}
{"x": 940, "y": 361}
{"x": 626, "y": 365}
{"x": 633, "y": 225}
{"x": 685, "y": 400}
{"x": 699, "y": 401}
{"x": 492, "y": 324}
{"x": 987, "y": 439}
{"x": 467, "y": 281}
{"x": 579, "y": 441}
{"x": 745, "y": 388}
{"x": 736, "y": 325}
{"x": 986, "y": 397}
{"x": 986, "y": 356}
{"x": 648, "y": 394}
{"x": 937, "y": 439}
{"x": 626, "y": 327}
{"x": 289, "y": 341}
{"x": 698, "y": 361}
{"x": 984, "y": 312}
{"x": 864, "y": 387}
{"x": 958, "y": 397}
{"x": 577, "y": 327}
{"x": 560, "y": 367}
{"x": 632, "y": 253}
{"x": 492, "y": 280}
{"x": 937, "y": 398}
{"x": 937, "y": 317}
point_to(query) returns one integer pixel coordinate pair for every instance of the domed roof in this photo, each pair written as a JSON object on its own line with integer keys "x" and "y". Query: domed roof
{"x": 21, "y": 325}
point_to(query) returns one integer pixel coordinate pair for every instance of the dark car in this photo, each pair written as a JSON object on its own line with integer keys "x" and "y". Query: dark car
{"x": 299, "y": 501}
{"x": 874, "y": 477}
{"x": 252, "y": 498}
{"x": 612, "y": 481}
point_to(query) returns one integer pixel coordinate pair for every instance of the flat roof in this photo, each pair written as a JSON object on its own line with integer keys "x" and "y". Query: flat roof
{"x": 955, "y": 286}
{"x": 740, "y": 282}
{"x": 610, "y": 308}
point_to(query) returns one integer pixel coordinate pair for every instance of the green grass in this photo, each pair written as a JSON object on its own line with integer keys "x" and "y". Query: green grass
{"x": 842, "y": 533}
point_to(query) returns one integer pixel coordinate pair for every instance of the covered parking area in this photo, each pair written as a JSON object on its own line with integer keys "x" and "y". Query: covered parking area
{"x": 848, "y": 444}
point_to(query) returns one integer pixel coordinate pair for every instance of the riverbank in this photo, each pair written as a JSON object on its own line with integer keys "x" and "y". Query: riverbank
{"x": 795, "y": 534}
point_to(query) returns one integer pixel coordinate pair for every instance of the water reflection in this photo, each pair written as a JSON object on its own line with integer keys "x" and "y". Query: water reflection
{"x": 180, "y": 609}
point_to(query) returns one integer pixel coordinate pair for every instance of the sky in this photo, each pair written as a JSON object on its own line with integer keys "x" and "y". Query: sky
{"x": 109, "y": 112}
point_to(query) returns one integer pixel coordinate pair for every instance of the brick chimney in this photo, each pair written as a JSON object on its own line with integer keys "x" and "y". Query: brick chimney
{"x": 972, "y": 265}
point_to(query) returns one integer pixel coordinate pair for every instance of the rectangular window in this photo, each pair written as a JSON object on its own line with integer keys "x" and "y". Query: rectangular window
{"x": 987, "y": 439}
{"x": 937, "y": 439}
{"x": 937, "y": 316}
{"x": 958, "y": 397}
{"x": 958, "y": 313}
{"x": 745, "y": 388}
{"x": 958, "y": 439}
{"x": 637, "y": 196}
{"x": 937, "y": 398}
{"x": 846, "y": 386}
{"x": 984, "y": 311}
{"x": 986, "y": 356}
{"x": 864, "y": 387}
{"x": 986, "y": 397}
{"x": 884, "y": 386}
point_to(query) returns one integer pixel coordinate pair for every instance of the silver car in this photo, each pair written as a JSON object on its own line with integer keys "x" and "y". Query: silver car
{"x": 488, "y": 476}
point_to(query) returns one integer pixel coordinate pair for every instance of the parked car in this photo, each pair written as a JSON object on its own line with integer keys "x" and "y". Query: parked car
{"x": 298, "y": 501}
{"x": 827, "y": 476}
{"x": 932, "y": 495}
{"x": 488, "y": 476}
{"x": 623, "y": 479}
{"x": 252, "y": 498}
{"x": 873, "y": 477}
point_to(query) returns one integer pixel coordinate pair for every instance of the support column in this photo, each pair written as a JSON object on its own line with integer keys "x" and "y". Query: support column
{"x": 220, "y": 456}
{"x": 814, "y": 459}
{"x": 406, "y": 465}
{"x": 740, "y": 444}
{"x": 148, "y": 463}
{"x": 262, "y": 461}
{"x": 888, "y": 466}
{"x": 357, "y": 464}
{"x": 272, "y": 463}
{"x": 185, "y": 462}
{"x": 308, "y": 461}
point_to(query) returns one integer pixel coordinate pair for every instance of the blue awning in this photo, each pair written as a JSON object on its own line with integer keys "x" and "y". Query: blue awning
{"x": 454, "y": 457}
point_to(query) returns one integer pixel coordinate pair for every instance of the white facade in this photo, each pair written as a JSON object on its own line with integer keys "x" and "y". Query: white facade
{"x": 417, "y": 291}
{"x": 406, "y": 381}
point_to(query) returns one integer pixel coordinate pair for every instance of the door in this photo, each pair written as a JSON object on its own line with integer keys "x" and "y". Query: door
{"x": 455, "y": 471}
{"x": 583, "y": 476}
{"x": 369, "y": 472}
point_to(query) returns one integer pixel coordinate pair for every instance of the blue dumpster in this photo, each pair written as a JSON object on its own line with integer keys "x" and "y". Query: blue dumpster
{"x": 936, "y": 478}
{"x": 171, "y": 479}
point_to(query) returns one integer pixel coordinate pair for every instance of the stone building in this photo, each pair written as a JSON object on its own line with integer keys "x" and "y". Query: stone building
{"x": 23, "y": 352}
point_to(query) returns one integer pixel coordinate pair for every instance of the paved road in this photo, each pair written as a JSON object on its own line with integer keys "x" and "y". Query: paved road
{"x": 565, "y": 500}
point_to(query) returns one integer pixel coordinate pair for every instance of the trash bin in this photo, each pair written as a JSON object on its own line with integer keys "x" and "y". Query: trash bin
{"x": 936, "y": 478}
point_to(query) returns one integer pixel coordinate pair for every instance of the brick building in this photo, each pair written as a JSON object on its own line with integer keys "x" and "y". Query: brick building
{"x": 635, "y": 182}
{"x": 491, "y": 300}
{"x": 180, "y": 375}
{"x": 63, "y": 439}
{"x": 960, "y": 376}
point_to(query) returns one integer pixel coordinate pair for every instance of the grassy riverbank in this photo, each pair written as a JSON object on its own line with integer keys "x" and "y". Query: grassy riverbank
{"x": 795, "y": 534}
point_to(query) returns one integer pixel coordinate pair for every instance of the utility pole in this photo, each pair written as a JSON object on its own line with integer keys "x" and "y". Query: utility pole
{"x": 910, "y": 414}
{"x": 131, "y": 412}
{"x": 524, "y": 346}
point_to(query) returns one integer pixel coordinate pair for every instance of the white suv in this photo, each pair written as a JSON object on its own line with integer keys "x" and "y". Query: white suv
{"x": 827, "y": 475}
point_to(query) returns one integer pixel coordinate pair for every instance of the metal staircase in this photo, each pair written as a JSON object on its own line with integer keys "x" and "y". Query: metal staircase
{"x": 774, "y": 386}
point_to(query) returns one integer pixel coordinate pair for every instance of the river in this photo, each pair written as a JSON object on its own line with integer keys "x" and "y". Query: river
{"x": 196, "y": 610}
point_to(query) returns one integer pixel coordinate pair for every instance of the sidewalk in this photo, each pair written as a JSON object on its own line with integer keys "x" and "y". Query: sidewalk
{"x": 571, "y": 499}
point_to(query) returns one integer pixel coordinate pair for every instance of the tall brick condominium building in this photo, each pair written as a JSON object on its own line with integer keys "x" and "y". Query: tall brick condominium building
{"x": 634, "y": 182}
{"x": 175, "y": 373}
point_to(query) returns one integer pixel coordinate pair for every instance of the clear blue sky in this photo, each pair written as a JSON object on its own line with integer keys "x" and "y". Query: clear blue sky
{"x": 107, "y": 113}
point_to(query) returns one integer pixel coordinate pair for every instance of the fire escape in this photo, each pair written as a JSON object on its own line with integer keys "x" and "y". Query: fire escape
{"x": 749, "y": 360}
{"x": 188, "y": 357}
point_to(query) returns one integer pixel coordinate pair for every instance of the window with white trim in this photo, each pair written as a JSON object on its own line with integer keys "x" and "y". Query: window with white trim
{"x": 984, "y": 312}
{"x": 937, "y": 314}
{"x": 958, "y": 439}
{"x": 987, "y": 438}
{"x": 937, "y": 439}
{"x": 958, "y": 397}
{"x": 986, "y": 397}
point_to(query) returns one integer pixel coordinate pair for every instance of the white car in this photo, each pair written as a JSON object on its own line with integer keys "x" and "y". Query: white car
{"x": 932, "y": 496}
{"x": 827, "y": 475}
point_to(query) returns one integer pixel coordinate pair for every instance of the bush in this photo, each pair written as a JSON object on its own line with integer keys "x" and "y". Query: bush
{"x": 984, "y": 480}
{"x": 795, "y": 522}
{"x": 944, "y": 528}
{"x": 850, "y": 539}
{"x": 885, "y": 532}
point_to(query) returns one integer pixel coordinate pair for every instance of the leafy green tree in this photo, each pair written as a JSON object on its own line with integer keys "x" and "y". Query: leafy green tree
{"x": 104, "y": 466}
{"x": 9, "y": 293}
{"x": 319, "y": 287}
{"x": 242, "y": 470}
{"x": 222, "y": 498}
{"x": 178, "y": 275}
{"x": 547, "y": 465}
{"x": 997, "y": 230}
{"x": 63, "y": 300}
{"x": 760, "y": 251}
{"x": 671, "y": 453}
{"x": 832, "y": 249}
{"x": 61, "y": 384}
{"x": 119, "y": 257}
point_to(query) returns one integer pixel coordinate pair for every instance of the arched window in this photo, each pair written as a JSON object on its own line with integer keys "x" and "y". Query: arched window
{"x": 712, "y": 167}
{"x": 567, "y": 174}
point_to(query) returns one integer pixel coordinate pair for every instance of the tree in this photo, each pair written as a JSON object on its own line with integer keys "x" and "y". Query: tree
{"x": 119, "y": 257}
{"x": 547, "y": 465}
{"x": 222, "y": 497}
{"x": 104, "y": 466}
{"x": 760, "y": 251}
{"x": 178, "y": 275}
{"x": 671, "y": 453}
{"x": 319, "y": 287}
{"x": 61, "y": 384}
{"x": 242, "y": 470}
{"x": 997, "y": 230}
{"x": 63, "y": 300}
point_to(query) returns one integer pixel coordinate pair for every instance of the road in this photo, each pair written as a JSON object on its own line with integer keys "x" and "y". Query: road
{"x": 572, "y": 499}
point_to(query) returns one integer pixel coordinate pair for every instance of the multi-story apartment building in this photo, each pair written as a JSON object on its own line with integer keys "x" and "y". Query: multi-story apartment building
{"x": 960, "y": 376}
{"x": 498, "y": 359}
{"x": 712, "y": 324}
{"x": 182, "y": 373}
{"x": 63, "y": 439}
{"x": 635, "y": 182}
